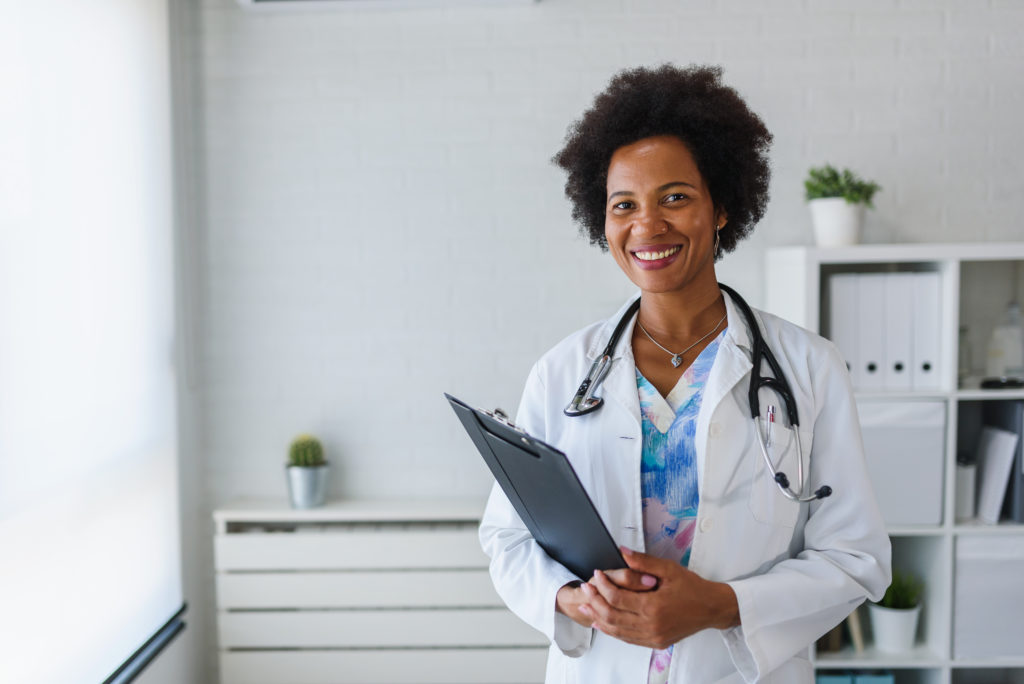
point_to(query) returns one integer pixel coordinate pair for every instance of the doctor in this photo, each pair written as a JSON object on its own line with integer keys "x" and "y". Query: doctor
{"x": 729, "y": 580}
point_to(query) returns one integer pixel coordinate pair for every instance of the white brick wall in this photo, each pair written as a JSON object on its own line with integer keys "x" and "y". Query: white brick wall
{"x": 377, "y": 180}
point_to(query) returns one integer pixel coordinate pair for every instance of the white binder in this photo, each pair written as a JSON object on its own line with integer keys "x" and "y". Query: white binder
{"x": 869, "y": 375}
{"x": 843, "y": 317}
{"x": 926, "y": 372}
{"x": 898, "y": 305}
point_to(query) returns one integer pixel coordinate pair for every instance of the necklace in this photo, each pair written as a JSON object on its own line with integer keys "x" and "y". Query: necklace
{"x": 678, "y": 358}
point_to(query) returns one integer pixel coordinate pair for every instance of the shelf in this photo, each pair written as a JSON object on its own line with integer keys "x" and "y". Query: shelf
{"x": 988, "y": 394}
{"x": 911, "y": 253}
{"x": 922, "y": 656}
{"x": 915, "y": 530}
{"x": 278, "y": 510}
{"x": 1005, "y": 527}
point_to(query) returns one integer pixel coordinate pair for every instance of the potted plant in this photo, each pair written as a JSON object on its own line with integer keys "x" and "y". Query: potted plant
{"x": 837, "y": 200}
{"x": 307, "y": 472}
{"x": 894, "y": 618}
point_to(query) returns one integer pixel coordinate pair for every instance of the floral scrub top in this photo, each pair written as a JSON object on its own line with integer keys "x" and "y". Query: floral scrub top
{"x": 668, "y": 471}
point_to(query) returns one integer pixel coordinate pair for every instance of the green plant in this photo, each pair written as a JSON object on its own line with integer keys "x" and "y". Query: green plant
{"x": 904, "y": 592}
{"x": 306, "y": 452}
{"x": 826, "y": 181}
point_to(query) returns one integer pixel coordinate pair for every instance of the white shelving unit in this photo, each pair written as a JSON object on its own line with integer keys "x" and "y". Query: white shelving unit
{"x": 363, "y": 592}
{"x": 977, "y": 280}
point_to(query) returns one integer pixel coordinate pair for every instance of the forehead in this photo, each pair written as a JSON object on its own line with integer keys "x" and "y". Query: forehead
{"x": 659, "y": 160}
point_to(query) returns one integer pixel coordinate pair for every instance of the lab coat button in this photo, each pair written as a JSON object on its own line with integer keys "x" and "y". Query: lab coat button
{"x": 706, "y": 524}
{"x": 715, "y": 430}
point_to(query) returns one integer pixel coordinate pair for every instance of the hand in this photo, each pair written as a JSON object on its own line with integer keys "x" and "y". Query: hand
{"x": 570, "y": 597}
{"x": 682, "y": 604}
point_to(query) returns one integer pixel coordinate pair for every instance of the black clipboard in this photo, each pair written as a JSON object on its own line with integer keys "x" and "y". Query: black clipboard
{"x": 542, "y": 486}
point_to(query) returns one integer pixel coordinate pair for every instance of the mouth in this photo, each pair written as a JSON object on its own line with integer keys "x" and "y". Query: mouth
{"x": 656, "y": 256}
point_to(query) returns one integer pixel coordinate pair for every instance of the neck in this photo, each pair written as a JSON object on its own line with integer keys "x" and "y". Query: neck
{"x": 682, "y": 315}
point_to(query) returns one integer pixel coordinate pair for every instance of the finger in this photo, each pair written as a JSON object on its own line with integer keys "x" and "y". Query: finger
{"x": 600, "y": 609}
{"x": 619, "y": 599}
{"x": 631, "y": 579}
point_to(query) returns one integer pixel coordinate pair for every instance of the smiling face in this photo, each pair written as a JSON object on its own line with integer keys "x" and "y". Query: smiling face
{"x": 659, "y": 216}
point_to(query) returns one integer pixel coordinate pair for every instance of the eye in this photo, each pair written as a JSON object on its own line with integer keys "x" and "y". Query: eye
{"x": 676, "y": 197}
{"x": 624, "y": 205}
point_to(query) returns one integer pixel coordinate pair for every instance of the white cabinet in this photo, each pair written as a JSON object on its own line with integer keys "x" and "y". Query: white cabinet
{"x": 361, "y": 593}
{"x": 975, "y": 282}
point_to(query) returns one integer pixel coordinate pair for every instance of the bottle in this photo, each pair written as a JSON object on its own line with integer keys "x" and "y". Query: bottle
{"x": 1005, "y": 357}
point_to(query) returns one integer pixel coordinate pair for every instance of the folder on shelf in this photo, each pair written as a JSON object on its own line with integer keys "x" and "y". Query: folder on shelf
{"x": 898, "y": 324}
{"x": 1009, "y": 416}
{"x": 996, "y": 450}
{"x": 869, "y": 375}
{"x": 843, "y": 317}
{"x": 927, "y": 315}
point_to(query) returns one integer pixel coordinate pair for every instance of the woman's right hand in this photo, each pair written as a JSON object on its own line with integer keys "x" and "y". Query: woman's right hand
{"x": 571, "y": 596}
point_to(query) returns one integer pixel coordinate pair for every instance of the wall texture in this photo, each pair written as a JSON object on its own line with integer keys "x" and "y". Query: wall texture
{"x": 382, "y": 224}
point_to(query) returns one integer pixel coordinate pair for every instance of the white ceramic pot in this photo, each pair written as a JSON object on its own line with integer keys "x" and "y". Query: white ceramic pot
{"x": 837, "y": 223}
{"x": 894, "y": 629}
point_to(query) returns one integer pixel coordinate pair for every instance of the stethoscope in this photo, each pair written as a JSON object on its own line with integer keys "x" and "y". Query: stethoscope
{"x": 584, "y": 401}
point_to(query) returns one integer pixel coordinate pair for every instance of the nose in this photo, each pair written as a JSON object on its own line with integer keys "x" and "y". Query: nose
{"x": 649, "y": 221}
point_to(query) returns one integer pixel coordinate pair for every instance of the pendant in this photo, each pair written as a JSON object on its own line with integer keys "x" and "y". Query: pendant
{"x": 676, "y": 360}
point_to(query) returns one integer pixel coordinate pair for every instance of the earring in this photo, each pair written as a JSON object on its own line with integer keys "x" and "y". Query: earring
{"x": 717, "y": 250}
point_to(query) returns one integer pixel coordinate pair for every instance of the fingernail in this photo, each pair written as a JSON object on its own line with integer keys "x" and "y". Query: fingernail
{"x": 648, "y": 580}
{"x": 588, "y": 590}
{"x": 626, "y": 550}
{"x": 585, "y": 610}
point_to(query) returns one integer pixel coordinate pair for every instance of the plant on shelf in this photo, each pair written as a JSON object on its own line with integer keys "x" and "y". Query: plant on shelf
{"x": 904, "y": 593}
{"x": 894, "y": 618}
{"x": 307, "y": 472}
{"x": 837, "y": 200}
{"x": 306, "y": 451}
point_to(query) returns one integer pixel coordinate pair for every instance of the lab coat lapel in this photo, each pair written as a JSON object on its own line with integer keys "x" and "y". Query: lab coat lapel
{"x": 732, "y": 365}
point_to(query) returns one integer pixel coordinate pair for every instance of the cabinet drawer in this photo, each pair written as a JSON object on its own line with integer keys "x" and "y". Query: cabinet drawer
{"x": 406, "y": 549}
{"x": 357, "y": 589}
{"x": 375, "y": 629}
{"x": 463, "y": 666}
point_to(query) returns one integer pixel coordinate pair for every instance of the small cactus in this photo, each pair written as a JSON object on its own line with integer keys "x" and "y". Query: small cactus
{"x": 306, "y": 452}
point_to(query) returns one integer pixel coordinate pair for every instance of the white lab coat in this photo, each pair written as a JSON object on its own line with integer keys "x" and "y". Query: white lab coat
{"x": 797, "y": 569}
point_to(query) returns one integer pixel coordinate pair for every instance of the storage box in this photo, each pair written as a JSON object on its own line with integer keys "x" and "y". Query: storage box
{"x": 904, "y": 445}
{"x": 833, "y": 679}
{"x": 988, "y": 601}
{"x": 874, "y": 679}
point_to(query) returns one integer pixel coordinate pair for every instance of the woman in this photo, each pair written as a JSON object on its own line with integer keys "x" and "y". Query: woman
{"x": 667, "y": 171}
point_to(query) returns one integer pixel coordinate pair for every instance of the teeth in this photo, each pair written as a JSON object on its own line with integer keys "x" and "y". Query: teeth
{"x": 654, "y": 256}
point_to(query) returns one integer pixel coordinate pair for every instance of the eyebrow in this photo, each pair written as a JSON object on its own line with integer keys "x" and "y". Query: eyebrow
{"x": 663, "y": 188}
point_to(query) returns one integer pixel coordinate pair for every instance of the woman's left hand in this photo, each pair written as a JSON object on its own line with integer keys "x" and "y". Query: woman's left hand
{"x": 682, "y": 604}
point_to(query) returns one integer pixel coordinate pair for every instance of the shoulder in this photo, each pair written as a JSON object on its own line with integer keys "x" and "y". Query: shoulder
{"x": 801, "y": 348}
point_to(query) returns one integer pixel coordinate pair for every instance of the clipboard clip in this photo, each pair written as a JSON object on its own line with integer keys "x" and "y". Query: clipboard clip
{"x": 502, "y": 417}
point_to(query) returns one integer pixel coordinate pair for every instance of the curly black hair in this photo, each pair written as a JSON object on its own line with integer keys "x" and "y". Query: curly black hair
{"x": 728, "y": 141}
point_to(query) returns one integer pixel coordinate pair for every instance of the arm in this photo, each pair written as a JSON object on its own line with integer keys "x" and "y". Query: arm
{"x": 525, "y": 577}
{"x": 846, "y": 551}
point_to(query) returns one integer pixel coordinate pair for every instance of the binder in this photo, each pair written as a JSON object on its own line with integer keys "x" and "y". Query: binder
{"x": 926, "y": 373}
{"x": 1009, "y": 416}
{"x": 898, "y": 305}
{"x": 843, "y": 317}
{"x": 996, "y": 450}
{"x": 870, "y": 332}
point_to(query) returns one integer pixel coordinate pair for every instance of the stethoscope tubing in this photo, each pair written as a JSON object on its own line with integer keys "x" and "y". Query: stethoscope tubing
{"x": 584, "y": 400}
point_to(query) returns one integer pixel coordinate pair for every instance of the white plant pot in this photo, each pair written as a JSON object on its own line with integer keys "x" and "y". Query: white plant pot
{"x": 837, "y": 223}
{"x": 894, "y": 629}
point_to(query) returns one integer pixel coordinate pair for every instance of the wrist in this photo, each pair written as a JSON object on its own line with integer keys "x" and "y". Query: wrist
{"x": 726, "y": 608}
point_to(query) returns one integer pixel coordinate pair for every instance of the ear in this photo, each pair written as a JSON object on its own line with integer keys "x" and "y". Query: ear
{"x": 721, "y": 218}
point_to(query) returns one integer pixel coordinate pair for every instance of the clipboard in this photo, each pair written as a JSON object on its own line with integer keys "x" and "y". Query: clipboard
{"x": 543, "y": 488}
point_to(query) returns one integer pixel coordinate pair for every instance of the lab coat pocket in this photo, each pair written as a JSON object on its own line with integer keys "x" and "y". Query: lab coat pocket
{"x": 767, "y": 502}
